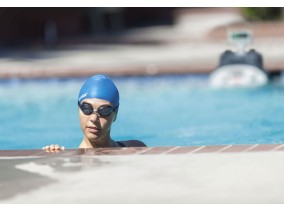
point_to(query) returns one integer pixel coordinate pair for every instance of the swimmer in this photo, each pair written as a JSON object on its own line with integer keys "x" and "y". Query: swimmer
{"x": 98, "y": 105}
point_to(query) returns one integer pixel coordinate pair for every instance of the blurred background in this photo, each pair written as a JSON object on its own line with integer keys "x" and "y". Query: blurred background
{"x": 67, "y": 42}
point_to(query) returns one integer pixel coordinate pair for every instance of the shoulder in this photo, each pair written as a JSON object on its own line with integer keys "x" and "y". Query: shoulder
{"x": 131, "y": 143}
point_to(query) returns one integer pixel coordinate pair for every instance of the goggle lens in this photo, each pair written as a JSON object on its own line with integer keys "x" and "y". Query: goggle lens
{"x": 103, "y": 111}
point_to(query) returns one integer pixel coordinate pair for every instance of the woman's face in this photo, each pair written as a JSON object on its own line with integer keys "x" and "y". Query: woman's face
{"x": 95, "y": 127}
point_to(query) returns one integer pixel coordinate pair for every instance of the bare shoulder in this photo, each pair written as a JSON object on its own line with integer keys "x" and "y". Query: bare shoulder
{"x": 131, "y": 143}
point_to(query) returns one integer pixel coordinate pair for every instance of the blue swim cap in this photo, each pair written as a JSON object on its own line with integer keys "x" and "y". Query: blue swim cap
{"x": 101, "y": 87}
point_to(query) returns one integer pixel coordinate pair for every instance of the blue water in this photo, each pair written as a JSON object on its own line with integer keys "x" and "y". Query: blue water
{"x": 161, "y": 111}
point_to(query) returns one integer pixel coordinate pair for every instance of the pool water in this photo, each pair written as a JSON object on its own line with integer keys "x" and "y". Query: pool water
{"x": 161, "y": 111}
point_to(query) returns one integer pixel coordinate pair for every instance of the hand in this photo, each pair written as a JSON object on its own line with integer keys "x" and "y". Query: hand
{"x": 53, "y": 148}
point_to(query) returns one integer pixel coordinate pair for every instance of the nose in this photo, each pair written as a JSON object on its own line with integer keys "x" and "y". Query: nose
{"x": 94, "y": 117}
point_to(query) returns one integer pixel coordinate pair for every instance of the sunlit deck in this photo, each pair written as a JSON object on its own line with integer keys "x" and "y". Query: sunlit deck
{"x": 202, "y": 174}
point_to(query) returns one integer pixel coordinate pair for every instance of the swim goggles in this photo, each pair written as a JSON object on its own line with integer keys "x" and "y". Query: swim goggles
{"x": 103, "y": 111}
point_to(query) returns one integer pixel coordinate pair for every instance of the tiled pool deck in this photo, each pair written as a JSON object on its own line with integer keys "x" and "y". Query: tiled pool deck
{"x": 176, "y": 175}
{"x": 148, "y": 150}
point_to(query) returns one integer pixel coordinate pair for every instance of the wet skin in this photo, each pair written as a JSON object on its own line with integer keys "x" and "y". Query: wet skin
{"x": 96, "y": 129}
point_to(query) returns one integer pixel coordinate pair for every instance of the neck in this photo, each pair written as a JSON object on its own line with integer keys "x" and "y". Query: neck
{"x": 106, "y": 142}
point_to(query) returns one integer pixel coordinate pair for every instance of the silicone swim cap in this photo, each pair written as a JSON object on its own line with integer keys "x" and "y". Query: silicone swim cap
{"x": 101, "y": 87}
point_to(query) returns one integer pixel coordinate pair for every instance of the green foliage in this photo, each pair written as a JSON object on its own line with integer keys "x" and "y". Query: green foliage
{"x": 261, "y": 13}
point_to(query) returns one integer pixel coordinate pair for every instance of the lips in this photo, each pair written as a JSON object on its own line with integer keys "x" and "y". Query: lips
{"x": 93, "y": 129}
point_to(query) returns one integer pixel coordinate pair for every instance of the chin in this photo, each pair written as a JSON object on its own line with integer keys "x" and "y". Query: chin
{"x": 93, "y": 138}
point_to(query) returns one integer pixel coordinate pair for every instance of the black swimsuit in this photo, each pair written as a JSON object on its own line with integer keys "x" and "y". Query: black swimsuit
{"x": 131, "y": 143}
{"x": 121, "y": 144}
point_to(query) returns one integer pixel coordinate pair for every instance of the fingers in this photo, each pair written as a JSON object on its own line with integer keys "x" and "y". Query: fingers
{"x": 53, "y": 148}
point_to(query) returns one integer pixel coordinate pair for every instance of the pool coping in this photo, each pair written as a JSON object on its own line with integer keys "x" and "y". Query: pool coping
{"x": 166, "y": 150}
{"x": 235, "y": 174}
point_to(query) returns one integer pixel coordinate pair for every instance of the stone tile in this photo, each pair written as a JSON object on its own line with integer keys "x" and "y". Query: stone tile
{"x": 156, "y": 150}
{"x": 280, "y": 148}
{"x": 238, "y": 148}
{"x": 115, "y": 151}
{"x": 18, "y": 153}
{"x": 184, "y": 150}
{"x": 210, "y": 149}
{"x": 29, "y": 152}
{"x": 64, "y": 153}
{"x": 5, "y": 153}
{"x": 265, "y": 147}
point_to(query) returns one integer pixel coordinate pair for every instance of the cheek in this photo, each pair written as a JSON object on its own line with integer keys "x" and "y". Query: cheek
{"x": 83, "y": 120}
{"x": 106, "y": 123}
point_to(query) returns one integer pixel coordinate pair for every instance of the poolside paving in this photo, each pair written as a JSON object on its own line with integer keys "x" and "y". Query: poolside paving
{"x": 84, "y": 176}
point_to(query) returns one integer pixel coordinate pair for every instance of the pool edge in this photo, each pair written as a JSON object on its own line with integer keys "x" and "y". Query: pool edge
{"x": 165, "y": 150}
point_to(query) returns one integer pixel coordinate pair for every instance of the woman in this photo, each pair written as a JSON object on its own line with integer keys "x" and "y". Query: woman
{"x": 98, "y": 104}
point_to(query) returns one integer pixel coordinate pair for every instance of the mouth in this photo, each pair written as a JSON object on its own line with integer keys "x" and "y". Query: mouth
{"x": 93, "y": 129}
